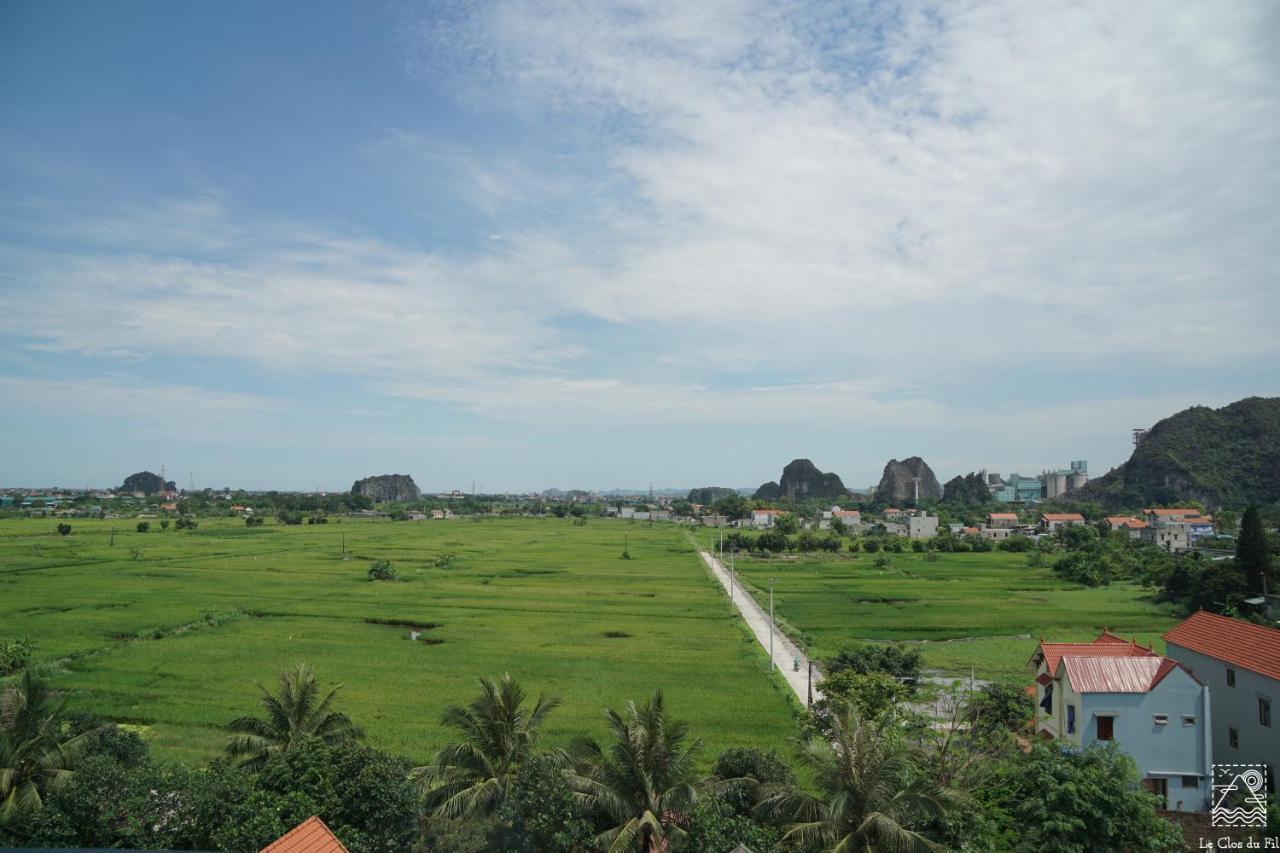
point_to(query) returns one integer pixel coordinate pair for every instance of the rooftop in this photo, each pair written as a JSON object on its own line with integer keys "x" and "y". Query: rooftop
{"x": 1242, "y": 644}
{"x": 310, "y": 836}
{"x": 1115, "y": 674}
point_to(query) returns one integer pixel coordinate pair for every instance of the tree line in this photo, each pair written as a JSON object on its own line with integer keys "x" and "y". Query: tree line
{"x": 861, "y": 774}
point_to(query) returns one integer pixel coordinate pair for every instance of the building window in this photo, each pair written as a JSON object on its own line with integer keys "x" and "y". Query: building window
{"x": 1188, "y": 720}
{"x": 1047, "y": 702}
{"x": 1161, "y": 719}
{"x": 1231, "y": 677}
{"x": 1233, "y": 738}
{"x": 1071, "y": 719}
{"x": 1106, "y": 728}
{"x": 1264, "y": 711}
{"x": 1191, "y": 781}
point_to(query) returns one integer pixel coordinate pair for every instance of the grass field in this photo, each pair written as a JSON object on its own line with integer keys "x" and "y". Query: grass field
{"x": 831, "y": 600}
{"x": 175, "y": 637}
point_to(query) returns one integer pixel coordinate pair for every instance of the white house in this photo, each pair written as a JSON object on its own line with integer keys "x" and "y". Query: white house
{"x": 922, "y": 526}
{"x": 761, "y": 518}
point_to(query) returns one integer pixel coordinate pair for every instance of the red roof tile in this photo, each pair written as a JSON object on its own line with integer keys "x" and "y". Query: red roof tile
{"x": 310, "y": 836}
{"x": 1242, "y": 644}
{"x": 1063, "y": 516}
{"x": 1105, "y": 644}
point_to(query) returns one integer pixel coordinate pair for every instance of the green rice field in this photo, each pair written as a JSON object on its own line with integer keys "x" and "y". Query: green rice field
{"x": 170, "y": 630}
{"x": 966, "y": 610}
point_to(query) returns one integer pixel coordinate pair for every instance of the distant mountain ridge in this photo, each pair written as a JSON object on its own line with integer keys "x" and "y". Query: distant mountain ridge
{"x": 387, "y": 487}
{"x": 801, "y": 479}
{"x": 897, "y": 483}
{"x": 1224, "y": 458}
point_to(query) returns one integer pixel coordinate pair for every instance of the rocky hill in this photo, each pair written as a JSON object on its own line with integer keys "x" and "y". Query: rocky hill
{"x": 800, "y": 480}
{"x": 708, "y": 495}
{"x": 387, "y": 487}
{"x": 896, "y": 483}
{"x": 1228, "y": 457}
{"x": 147, "y": 483}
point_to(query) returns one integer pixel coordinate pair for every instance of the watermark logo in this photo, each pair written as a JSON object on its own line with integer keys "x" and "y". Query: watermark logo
{"x": 1239, "y": 795}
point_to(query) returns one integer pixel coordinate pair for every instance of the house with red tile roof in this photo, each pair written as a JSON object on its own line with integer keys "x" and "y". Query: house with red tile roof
{"x": 1002, "y": 519}
{"x": 1051, "y": 521}
{"x": 1240, "y": 661}
{"x": 310, "y": 836}
{"x": 1116, "y": 689}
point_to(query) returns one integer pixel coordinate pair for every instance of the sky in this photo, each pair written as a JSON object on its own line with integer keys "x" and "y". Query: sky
{"x": 552, "y": 243}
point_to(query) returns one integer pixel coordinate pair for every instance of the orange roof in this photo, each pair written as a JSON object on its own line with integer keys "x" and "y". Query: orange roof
{"x": 1010, "y": 515}
{"x": 1063, "y": 516}
{"x": 769, "y": 511}
{"x": 1104, "y": 646}
{"x": 970, "y": 531}
{"x": 310, "y": 836}
{"x": 1242, "y": 644}
{"x": 846, "y": 512}
{"x": 1185, "y": 510}
{"x": 1135, "y": 524}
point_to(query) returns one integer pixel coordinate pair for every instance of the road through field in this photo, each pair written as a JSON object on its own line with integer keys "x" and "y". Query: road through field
{"x": 785, "y": 652}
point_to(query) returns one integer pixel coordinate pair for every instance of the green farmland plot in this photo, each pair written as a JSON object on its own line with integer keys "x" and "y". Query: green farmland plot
{"x": 979, "y": 602}
{"x": 171, "y": 629}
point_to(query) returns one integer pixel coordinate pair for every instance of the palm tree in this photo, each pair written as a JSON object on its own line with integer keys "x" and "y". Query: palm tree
{"x": 292, "y": 717}
{"x": 35, "y": 752}
{"x": 472, "y": 777}
{"x": 643, "y": 785}
{"x": 872, "y": 784}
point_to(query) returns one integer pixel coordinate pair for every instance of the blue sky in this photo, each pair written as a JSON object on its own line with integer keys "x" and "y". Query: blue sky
{"x": 560, "y": 243}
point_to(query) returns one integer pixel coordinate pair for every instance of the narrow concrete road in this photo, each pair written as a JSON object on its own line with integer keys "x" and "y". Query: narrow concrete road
{"x": 785, "y": 652}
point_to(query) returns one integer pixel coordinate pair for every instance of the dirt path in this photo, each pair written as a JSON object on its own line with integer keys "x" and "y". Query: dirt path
{"x": 785, "y": 652}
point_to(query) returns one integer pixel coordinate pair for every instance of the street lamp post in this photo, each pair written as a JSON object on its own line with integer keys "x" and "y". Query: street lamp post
{"x": 771, "y": 663}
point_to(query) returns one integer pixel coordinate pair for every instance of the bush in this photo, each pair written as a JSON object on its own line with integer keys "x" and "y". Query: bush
{"x": 164, "y": 524}
{"x": 253, "y": 521}
{"x": 871, "y": 546}
{"x": 144, "y": 526}
{"x": 381, "y": 570}
{"x": 186, "y": 523}
{"x": 64, "y": 529}
{"x": 14, "y": 655}
{"x": 1016, "y": 544}
{"x": 902, "y": 662}
{"x": 745, "y": 772}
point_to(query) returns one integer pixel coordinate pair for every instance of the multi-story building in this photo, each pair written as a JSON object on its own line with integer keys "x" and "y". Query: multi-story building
{"x": 1153, "y": 708}
{"x": 762, "y": 518}
{"x": 1240, "y": 661}
{"x": 922, "y": 526}
{"x": 1002, "y": 519}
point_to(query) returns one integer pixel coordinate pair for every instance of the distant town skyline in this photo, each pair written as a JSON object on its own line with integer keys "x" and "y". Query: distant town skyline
{"x": 591, "y": 245}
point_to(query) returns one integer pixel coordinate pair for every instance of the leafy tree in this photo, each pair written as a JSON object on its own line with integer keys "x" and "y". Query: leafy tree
{"x": 901, "y": 662}
{"x": 732, "y": 507}
{"x": 539, "y": 814}
{"x": 1253, "y": 555}
{"x": 1017, "y": 544}
{"x": 382, "y": 570}
{"x": 164, "y": 524}
{"x": 1064, "y": 799}
{"x": 716, "y": 827}
{"x": 786, "y": 524}
{"x": 186, "y": 522}
{"x": 874, "y": 694}
{"x": 472, "y": 777}
{"x": 642, "y": 785}
{"x": 870, "y": 790}
{"x": 144, "y": 526}
{"x": 36, "y": 753}
{"x": 740, "y": 775}
{"x": 999, "y": 708}
{"x": 64, "y": 529}
{"x": 297, "y": 714}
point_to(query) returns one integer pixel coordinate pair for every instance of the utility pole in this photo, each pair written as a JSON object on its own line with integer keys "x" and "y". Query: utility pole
{"x": 771, "y": 663}
{"x": 809, "y": 703}
{"x": 113, "y": 536}
{"x": 733, "y": 581}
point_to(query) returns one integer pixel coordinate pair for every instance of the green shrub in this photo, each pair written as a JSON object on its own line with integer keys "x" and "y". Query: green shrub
{"x": 144, "y": 526}
{"x": 381, "y": 570}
